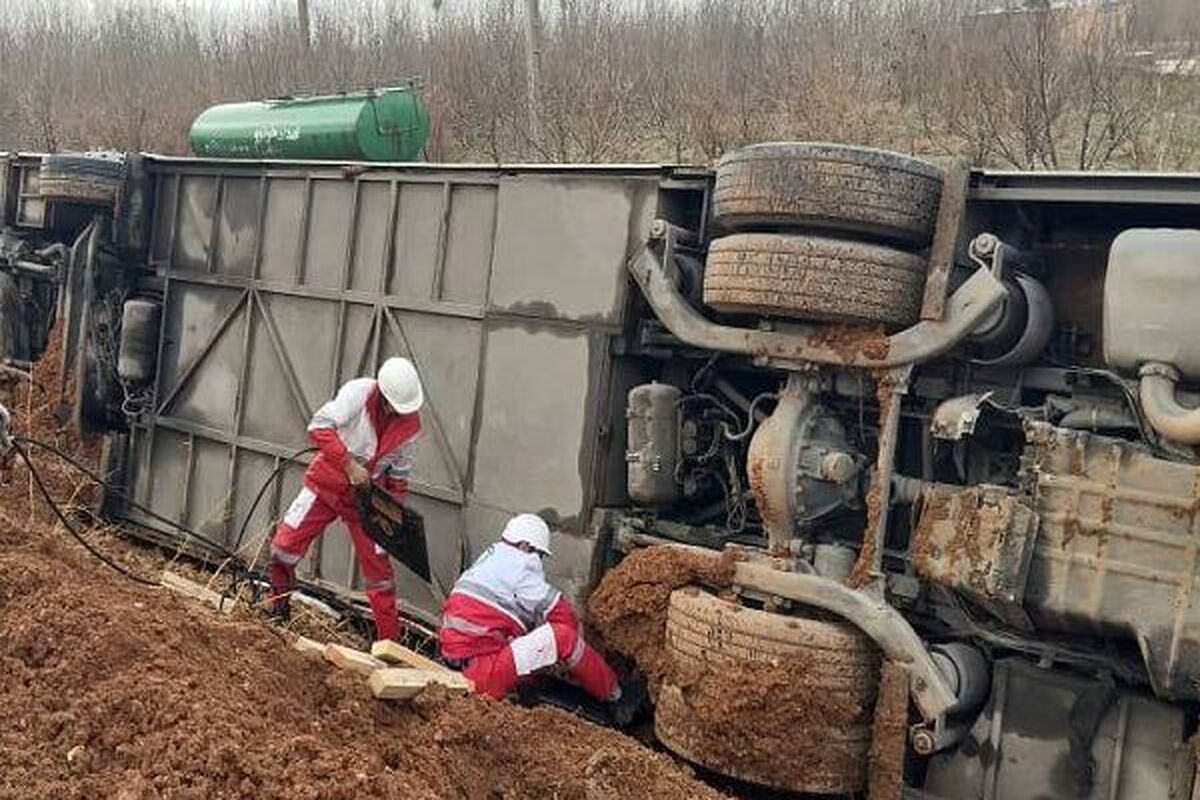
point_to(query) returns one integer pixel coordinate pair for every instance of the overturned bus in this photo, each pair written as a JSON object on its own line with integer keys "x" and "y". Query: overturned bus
{"x": 945, "y": 414}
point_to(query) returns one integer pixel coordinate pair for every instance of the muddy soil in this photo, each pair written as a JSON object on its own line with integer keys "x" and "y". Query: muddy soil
{"x": 851, "y": 341}
{"x": 767, "y": 723}
{"x": 762, "y": 721}
{"x": 889, "y": 734}
{"x": 863, "y": 571}
{"x": 114, "y": 690}
{"x": 629, "y": 608}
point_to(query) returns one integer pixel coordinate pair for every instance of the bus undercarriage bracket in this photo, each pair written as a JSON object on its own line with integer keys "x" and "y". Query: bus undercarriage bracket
{"x": 874, "y": 617}
{"x": 966, "y": 309}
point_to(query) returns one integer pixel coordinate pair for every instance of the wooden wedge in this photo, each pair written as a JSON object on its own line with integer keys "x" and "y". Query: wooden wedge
{"x": 350, "y": 659}
{"x": 308, "y": 646}
{"x": 404, "y": 683}
{"x": 398, "y": 654}
{"x": 195, "y": 591}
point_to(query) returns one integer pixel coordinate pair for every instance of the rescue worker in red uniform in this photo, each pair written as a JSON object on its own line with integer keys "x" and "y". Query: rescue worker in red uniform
{"x": 365, "y": 434}
{"x": 503, "y": 621}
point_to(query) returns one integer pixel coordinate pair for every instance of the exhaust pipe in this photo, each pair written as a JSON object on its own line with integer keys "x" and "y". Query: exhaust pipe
{"x": 1162, "y": 410}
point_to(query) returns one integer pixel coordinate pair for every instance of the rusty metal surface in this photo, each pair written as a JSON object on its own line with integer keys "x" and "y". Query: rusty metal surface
{"x": 868, "y": 612}
{"x": 800, "y": 466}
{"x": 805, "y": 345}
{"x": 891, "y": 389}
{"x": 1117, "y": 549}
{"x": 951, "y": 210}
{"x": 889, "y": 734}
{"x": 978, "y": 541}
{"x": 1101, "y": 540}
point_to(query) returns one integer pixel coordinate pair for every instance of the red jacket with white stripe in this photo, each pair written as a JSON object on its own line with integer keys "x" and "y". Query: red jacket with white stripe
{"x": 354, "y": 425}
{"x": 502, "y": 596}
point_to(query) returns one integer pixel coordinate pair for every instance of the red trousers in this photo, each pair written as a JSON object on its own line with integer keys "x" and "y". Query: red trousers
{"x": 495, "y": 673}
{"x": 307, "y": 519}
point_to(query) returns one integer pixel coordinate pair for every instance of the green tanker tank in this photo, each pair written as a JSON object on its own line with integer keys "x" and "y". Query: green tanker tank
{"x": 376, "y": 125}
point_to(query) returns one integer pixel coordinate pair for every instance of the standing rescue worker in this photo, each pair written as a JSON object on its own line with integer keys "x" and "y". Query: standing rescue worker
{"x": 365, "y": 434}
{"x": 503, "y": 621}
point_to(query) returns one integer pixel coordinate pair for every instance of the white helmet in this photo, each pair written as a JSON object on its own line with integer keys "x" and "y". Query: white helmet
{"x": 528, "y": 528}
{"x": 401, "y": 386}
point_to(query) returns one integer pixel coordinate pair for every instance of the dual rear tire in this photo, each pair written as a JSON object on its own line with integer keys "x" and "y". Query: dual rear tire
{"x": 781, "y": 701}
{"x": 821, "y": 232}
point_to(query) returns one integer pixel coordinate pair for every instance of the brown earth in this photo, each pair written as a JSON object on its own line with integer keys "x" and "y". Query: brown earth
{"x": 114, "y": 690}
{"x": 889, "y": 734}
{"x": 863, "y": 571}
{"x": 765, "y": 722}
{"x": 629, "y": 608}
{"x": 762, "y": 721}
{"x": 851, "y": 341}
{"x": 111, "y": 689}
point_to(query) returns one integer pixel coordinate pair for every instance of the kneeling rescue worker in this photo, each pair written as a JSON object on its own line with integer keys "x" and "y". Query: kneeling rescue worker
{"x": 364, "y": 434}
{"x": 503, "y": 621}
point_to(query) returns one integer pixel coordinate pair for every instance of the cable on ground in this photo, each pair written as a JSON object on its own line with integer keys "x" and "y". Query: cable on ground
{"x": 62, "y": 517}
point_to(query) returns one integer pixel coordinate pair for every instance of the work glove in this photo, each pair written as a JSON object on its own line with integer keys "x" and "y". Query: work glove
{"x": 357, "y": 474}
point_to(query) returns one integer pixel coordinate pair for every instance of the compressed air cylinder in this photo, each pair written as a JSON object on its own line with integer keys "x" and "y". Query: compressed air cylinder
{"x": 138, "y": 352}
{"x": 652, "y": 450}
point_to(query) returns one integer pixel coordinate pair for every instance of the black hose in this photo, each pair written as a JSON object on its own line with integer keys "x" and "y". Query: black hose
{"x": 262, "y": 491}
{"x": 50, "y": 501}
{"x": 83, "y": 468}
{"x": 240, "y": 573}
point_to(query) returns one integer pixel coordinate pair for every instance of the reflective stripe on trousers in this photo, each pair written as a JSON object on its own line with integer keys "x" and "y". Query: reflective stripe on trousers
{"x": 577, "y": 651}
{"x": 465, "y": 626}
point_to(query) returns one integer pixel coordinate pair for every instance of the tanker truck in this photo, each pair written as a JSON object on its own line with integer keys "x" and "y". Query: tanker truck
{"x": 944, "y": 415}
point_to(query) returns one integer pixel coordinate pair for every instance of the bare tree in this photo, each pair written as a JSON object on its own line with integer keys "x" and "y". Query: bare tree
{"x": 632, "y": 80}
{"x": 304, "y": 22}
{"x": 533, "y": 68}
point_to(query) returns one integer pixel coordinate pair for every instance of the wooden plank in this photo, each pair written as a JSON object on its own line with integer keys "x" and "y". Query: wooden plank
{"x": 404, "y": 683}
{"x": 353, "y": 660}
{"x": 951, "y": 211}
{"x": 393, "y": 653}
{"x": 193, "y": 590}
{"x": 308, "y": 646}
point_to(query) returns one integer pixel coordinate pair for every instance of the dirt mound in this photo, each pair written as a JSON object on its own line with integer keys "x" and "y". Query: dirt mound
{"x": 629, "y": 607}
{"x": 765, "y": 723}
{"x": 111, "y": 689}
{"x": 781, "y": 722}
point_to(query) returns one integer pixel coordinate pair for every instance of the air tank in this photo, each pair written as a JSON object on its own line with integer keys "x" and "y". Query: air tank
{"x": 652, "y": 449}
{"x": 375, "y": 125}
{"x": 138, "y": 349}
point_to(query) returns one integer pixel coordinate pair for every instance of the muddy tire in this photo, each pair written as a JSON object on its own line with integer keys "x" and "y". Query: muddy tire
{"x": 822, "y": 187}
{"x": 819, "y": 663}
{"x": 88, "y": 179}
{"x": 814, "y": 277}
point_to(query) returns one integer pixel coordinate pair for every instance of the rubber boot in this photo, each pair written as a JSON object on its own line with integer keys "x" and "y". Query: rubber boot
{"x": 283, "y": 580}
{"x": 630, "y": 701}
